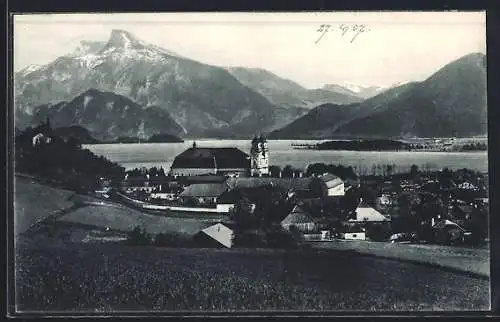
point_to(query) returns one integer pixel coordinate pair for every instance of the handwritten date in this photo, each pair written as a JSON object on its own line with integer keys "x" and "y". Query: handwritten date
{"x": 354, "y": 30}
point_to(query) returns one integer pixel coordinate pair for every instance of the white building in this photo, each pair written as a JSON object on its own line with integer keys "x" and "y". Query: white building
{"x": 334, "y": 185}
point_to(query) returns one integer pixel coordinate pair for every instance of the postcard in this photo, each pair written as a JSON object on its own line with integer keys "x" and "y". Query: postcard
{"x": 250, "y": 162}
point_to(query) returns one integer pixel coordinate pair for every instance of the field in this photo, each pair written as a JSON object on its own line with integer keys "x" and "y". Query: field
{"x": 33, "y": 202}
{"x": 125, "y": 219}
{"x": 110, "y": 277}
{"x": 475, "y": 261}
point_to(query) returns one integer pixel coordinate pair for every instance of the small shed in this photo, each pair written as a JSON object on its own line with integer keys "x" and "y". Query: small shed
{"x": 218, "y": 235}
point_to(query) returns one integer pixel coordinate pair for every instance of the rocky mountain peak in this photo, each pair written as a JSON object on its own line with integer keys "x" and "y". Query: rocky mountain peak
{"x": 122, "y": 39}
{"x": 88, "y": 47}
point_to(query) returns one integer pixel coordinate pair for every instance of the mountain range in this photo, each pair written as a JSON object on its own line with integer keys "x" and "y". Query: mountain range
{"x": 202, "y": 99}
{"x": 127, "y": 87}
{"x": 286, "y": 93}
{"x": 451, "y": 102}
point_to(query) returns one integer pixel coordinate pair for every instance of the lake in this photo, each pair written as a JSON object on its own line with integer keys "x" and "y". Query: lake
{"x": 281, "y": 153}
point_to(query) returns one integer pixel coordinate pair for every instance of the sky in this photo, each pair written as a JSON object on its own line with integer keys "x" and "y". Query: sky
{"x": 363, "y": 48}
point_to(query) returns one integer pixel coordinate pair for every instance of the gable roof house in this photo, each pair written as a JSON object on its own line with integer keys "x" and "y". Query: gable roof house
{"x": 365, "y": 213}
{"x": 301, "y": 219}
{"x": 203, "y": 193}
{"x": 217, "y": 161}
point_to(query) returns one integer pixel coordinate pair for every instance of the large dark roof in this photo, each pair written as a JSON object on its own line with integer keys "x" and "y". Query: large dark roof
{"x": 212, "y": 157}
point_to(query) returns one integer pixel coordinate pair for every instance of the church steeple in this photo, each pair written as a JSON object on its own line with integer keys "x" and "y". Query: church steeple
{"x": 259, "y": 156}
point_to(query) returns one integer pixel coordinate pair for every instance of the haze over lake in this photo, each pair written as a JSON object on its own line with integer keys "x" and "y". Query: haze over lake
{"x": 281, "y": 153}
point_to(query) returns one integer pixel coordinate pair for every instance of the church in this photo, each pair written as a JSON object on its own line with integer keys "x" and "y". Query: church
{"x": 228, "y": 161}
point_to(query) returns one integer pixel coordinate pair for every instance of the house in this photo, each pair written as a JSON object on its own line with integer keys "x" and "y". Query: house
{"x": 215, "y": 161}
{"x": 165, "y": 184}
{"x": 333, "y": 185}
{"x": 449, "y": 232}
{"x": 365, "y": 218}
{"x": 467, "y": 186}
{"x": 137, "y": 183}
{"x": 41, "y": 138}
{"x": 365, "y": 213}
{"x": 203, "y": 193}
{"x": 104, "y": 185}
{"x": 169, "y": 196}
{"x": 353, "y": 235}
{"x": 218, "y": 235}
{"x": 384, "y": 200}
{"x": 301, "y": 220}
{"x": 229, "y": 198}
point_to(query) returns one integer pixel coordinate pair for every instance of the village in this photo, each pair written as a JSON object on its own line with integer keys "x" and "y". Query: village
{"x": 322, "y": 203}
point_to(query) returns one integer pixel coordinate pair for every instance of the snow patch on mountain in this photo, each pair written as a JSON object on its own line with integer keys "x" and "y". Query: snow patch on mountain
{"x": 90, "y": 60}
{"x": 356, "y": 88}
{"x": 29, "y": 69}
{"x": 86, "y": 101}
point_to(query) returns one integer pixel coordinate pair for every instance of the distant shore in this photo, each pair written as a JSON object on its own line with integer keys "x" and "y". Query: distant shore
{"x": 436, "y": 145}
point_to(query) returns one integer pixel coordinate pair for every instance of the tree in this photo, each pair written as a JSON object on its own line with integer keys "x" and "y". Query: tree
{"x": 288, "y": 171}
{"x": 414, "y": 171}
{"x": 316, "y": 169}
{"x": 274, "y": 170}
{"x": 369, "y": 195}
{"x": 242, "y": 215}
{"x": 389, "y": 169}
{"x": 378, "y": 231}
{"x": 446, "y": 177}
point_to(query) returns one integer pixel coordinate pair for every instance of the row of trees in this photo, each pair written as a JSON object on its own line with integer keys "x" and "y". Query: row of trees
{"x": 478, "y": 146}
{"x": 341, "y": 171}
{"x": 286, "y": 172}
{"x": 143, "y": 172}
